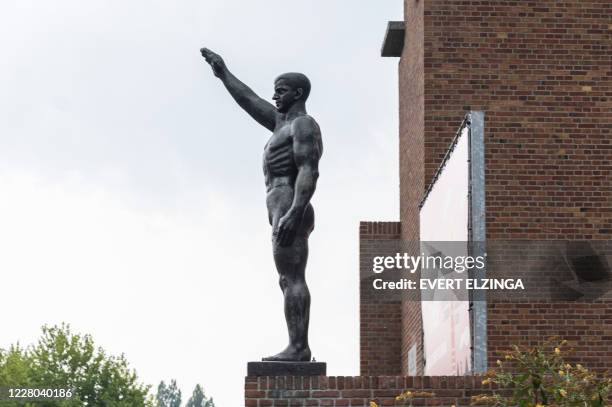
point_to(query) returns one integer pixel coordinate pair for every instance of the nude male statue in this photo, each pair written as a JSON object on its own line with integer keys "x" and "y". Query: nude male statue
{"x": 290, "y": 164}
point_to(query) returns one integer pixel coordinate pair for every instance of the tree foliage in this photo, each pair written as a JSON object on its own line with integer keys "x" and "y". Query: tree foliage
{"x": 168, "y": 396}
{"x": 198, "y": 399}
{"x": 61, "y": 359}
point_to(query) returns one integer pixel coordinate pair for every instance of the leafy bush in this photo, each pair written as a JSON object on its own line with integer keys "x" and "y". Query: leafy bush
{"x": 541, "y": 377}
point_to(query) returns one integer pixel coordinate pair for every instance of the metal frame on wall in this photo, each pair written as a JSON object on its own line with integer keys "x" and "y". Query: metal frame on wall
{"x": 476, "y": 224}
{"x": 477, "y": 232}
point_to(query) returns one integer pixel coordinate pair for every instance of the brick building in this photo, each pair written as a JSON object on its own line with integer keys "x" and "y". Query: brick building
{"x": 542, "y": 73}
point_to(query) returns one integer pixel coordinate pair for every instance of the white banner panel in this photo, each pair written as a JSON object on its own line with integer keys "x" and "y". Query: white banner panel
{"x": 444, "y": 218}
{"x": 444, "y": 215}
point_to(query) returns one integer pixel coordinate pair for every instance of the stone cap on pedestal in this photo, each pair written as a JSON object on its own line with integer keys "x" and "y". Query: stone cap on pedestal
{"x": 255, "y": 369}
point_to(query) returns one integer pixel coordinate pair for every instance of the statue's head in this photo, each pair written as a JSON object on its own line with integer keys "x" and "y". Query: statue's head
{"x": 289, "y": 89}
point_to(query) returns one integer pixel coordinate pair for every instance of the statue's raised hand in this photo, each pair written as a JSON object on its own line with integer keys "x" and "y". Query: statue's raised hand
{"x": 215, "y": 61}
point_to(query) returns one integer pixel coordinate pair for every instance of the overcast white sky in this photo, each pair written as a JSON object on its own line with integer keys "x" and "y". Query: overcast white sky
{"x": 132, "y": 198}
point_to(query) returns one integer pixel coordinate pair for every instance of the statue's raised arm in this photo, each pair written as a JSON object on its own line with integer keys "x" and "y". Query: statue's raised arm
{"x": 260, "y": 110}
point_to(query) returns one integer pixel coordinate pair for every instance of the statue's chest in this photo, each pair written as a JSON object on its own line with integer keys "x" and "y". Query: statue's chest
{"x": 281, "y": 141}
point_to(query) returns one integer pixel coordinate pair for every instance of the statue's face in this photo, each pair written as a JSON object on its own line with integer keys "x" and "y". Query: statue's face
{"x": 285, "y": 95}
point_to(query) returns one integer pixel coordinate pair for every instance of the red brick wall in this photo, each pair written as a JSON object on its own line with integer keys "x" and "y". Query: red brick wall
{"x": 380, "y": 320}
{"x": 588, "y": 327}
{"x": 358, "y": 391}
{"x": 542, "y": 72}
{"x": 411, "y": 155}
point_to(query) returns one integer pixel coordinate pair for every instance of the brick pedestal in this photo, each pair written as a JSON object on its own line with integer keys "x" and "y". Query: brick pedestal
{"x": 359, "y": 391}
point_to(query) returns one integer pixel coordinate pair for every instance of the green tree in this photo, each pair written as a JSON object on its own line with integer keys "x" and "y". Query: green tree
{"x": 15, "y": 368}
{"x": 168, "y": 396}
{"x": 61, "y": 359}
{"x": 198, "y": 399}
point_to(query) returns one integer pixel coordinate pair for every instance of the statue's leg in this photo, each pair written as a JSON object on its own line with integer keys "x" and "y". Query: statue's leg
{"x": 291, "y": 265}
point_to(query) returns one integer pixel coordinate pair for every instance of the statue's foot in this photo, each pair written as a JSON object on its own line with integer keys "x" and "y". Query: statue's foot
{"x": 290, "y": 355}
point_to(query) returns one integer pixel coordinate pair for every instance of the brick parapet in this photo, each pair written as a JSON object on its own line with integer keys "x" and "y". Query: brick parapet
{"x": 359, "y": 390}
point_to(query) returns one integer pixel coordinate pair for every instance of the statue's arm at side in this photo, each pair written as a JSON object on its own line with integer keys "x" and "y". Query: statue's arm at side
{"x": 306, "y": 155}
{"x": 306, "y": 152}
{"x": 260, "y": 110}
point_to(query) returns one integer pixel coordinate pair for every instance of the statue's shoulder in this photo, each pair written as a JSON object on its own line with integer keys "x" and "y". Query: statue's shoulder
{"x": 307, "y": 130}
{"x": 305, "y": 124}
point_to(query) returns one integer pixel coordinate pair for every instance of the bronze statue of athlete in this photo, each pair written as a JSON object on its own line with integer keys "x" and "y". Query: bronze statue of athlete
{"x": 291, "y": 168}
